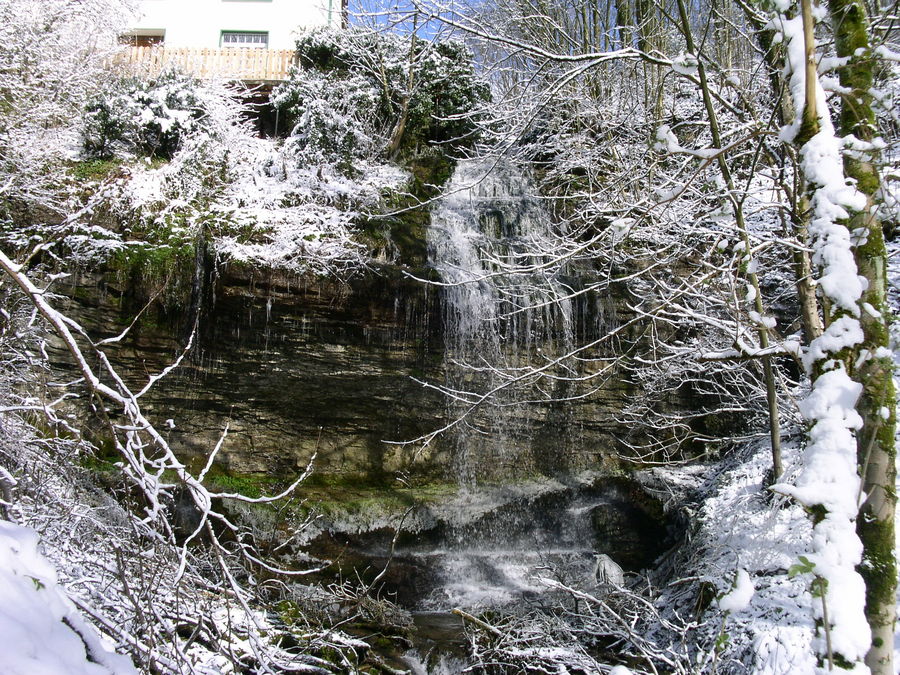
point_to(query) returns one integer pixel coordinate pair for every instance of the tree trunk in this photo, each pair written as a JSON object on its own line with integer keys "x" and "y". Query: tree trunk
{"x": 810, "y": 124}
{"x": 737, "y": 206}
{"x": 799, "y": 221}
{"x": 624, "y": 22}
{"x": 393, "y": 147}
{"x": 877, "y": 405}
{"x": 803, "y": 273}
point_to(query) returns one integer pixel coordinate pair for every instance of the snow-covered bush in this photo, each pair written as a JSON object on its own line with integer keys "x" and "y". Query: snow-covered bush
{"x": 280, "y": 213}
{"x": 54, "y": 56}
{"x": 337, "y": 119}
{"x": 357, "y": 94}
{"x": 247, "y": 198}
{"x": 148, "y": 117}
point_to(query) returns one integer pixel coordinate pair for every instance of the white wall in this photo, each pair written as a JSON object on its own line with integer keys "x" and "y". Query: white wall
{"x": 199, "y": 23}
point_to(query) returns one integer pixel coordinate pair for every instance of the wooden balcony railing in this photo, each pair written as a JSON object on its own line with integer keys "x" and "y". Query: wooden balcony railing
{"x": 247, "y": 65}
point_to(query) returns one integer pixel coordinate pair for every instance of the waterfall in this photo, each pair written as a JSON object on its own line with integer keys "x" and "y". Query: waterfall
{"x": 504, "y": 312}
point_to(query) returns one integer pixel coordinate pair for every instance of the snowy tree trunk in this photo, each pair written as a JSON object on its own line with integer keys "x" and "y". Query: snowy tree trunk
{"x": 877, "y": 404}
{"x": 810, "y": 319}
{"x": 803, "y": 274}
{"x": 809, "y": 125}
{"x": 393, "y": 147}
{"x": 847, "y": 404}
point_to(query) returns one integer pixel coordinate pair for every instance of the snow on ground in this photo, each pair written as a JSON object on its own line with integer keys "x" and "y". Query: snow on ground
{"x": 749, "y": 535}
{"x": 41, "y": 631}
{"x": 270, "y": 211}
{"x": 740, "y": 595}
{"x": 301, "y": 216}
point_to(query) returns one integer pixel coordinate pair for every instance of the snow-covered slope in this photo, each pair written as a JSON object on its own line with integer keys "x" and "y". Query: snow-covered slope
{"x": 41, "y": 631}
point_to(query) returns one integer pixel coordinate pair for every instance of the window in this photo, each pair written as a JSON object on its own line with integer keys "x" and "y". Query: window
{"x": 234, "y": 38}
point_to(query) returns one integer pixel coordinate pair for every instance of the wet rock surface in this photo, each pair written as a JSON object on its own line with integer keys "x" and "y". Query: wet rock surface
{"x": 490, "y": 546}
{"x": 299, "y": 368}
{"x": 294, "y": 367}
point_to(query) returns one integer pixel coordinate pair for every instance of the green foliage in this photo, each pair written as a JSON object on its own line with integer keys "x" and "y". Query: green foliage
{"x": 290, "y": 613}
{"x": 818, "y": 587}
{"x": 147, "y": 117}
{"x": 251, "y": 485}
{"x": 324, "y": 49}
{"x": 102, "y": 461}
{"x": 722, "y": 641}
{"x": 332, "y": 118}
{"x": 94, "y": 169}
{"x": 339, "y": 495}
{"x": 805, "y": 566}
{"x": 248, "y": 486}
{"x": 156, "y": 270}
{"x": 447, "y": 88}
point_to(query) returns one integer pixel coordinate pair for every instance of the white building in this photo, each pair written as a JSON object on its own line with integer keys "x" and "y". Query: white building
{"x": 217, "y": 24}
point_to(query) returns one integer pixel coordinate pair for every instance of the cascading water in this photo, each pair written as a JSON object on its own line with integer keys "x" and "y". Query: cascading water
{"x": 525, "y": 532}
{"x": 503, "y": 314}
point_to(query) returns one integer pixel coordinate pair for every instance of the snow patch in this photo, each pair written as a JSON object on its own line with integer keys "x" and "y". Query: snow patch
{"x": 738, "y": 598}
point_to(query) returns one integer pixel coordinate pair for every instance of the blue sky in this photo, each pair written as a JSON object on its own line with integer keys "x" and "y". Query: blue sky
{"x": 387, "y": 13}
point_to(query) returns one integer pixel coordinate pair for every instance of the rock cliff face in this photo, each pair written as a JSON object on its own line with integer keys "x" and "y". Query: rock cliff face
{"x": 309, "y": 368}
{"x": 303, "y": 368}
{"x": 293, "y": 367}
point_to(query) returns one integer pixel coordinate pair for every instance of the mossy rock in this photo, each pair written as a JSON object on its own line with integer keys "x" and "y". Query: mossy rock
{"x": 402, "y": 235}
